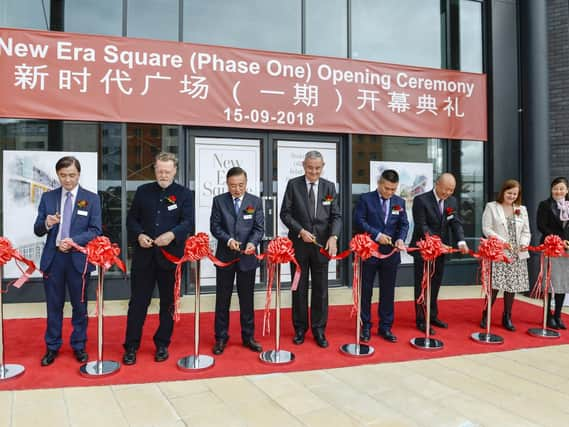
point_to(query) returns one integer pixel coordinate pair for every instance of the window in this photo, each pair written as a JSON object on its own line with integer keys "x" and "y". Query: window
{"x": 268, "y": 24}
{"x": 94, "y": 17}
{"x": 154, "y": 19}
{"x": 327, "y": 27}
{"x": 33, "y": 14}
{"x": 397, "y": 31}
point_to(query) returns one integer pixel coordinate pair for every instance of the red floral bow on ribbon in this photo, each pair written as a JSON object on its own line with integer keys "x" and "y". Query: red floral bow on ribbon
{"x": 279, "y": 251}
{"x": 7, "y": 252}
{"x": 431, "y": 247}
{"x": 195, "y": 249}
{"x": 363, "y": 248}
{"x": 490, "y": 250}
{"x": 553, "y": 246}
{"x": 102, "y": 253}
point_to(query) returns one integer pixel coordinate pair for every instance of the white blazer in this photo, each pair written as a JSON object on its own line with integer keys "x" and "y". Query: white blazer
{"x": 494, "y": 223}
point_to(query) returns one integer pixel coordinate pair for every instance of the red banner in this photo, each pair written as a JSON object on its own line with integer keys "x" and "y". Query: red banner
{"x": 66, "y": 76}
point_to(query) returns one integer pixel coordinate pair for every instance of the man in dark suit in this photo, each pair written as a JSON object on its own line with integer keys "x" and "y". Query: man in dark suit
{"x": 161, "y": 217}
{"x": 68, "y": 214}
{"x": 238, "y": 224}
{"x": 383, "y": 215}
{"x": 435, "y": 212}
{"x": 312, "y": 214}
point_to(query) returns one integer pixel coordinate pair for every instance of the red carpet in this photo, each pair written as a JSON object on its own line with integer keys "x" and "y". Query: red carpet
{"x": 24, "y": 345}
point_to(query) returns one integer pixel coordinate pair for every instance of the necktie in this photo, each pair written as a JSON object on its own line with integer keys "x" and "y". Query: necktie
{"x": 384, "y": 209}
{"x": 441, "y": 206}
{"x": 67, "y": 211}
{"x": 236, "y": 205}
{"x": 311, "y": 200}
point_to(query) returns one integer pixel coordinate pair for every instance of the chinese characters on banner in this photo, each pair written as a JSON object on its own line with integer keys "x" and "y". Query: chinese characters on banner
{"x": 56, "y": 75}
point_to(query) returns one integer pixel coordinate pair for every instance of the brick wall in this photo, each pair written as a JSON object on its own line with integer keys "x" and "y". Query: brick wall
{"x": 558, "y": 59}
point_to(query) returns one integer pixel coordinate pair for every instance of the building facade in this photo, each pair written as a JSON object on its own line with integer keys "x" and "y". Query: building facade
{"x": 495, "y": 37}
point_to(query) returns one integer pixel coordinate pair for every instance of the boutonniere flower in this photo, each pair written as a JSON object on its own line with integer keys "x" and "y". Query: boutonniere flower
{"x": 82, "y": 204}
{"x": 249, "y": 210}
{"x": 517, "y": 211}
{"x": 396, "y": 208}
{"x": 328, "y": 198}
{"x": 171, "y": 199}
{"x": 449, "y": 211}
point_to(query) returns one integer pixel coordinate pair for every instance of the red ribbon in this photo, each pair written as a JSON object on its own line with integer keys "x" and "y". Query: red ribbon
{"x": 431, "y": 247}
{"x": 101, "y": 252}
{"x": 280, "y": 250}
{"x": 363, "y": 248}
{"x": 552, "y": 247}
{"x": 7, "y": 252}
{"x": 490, "y": 250}
{"x": 195, "y": 249}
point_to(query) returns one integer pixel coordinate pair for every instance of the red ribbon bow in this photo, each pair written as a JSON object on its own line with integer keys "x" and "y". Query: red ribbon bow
{"x": 7, "y": 252}
{"x": 490, "y": 250}
{"x": 101, "y": 252}
{"x": 430, "y": 247}
{"x": 279, "y": 251}
{"x": 552, "y": 247}
{"x": 195, "y": 249}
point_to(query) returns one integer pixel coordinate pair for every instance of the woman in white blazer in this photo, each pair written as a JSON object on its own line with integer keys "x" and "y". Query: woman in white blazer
{"x": 508, "y": 220}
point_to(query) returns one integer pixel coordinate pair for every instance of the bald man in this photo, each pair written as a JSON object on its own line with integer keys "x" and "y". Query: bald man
{"x": 435, "y": 212}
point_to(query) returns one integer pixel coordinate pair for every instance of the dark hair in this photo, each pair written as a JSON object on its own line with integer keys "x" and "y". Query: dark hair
{"x": 560, "y": 180}
{"x": 67, "y": 161}
{"x": 235, "y": 171}
{"x": 507, "y": 185}
{"x": 390, "y": 175}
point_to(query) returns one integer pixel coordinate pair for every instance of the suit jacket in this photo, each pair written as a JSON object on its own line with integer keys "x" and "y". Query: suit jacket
{"x": 369, "y": 218}
{"x": 154, "y": 211}
{"x": 295, "y": 215}
{"x": 85, "y": 225}
{"x": 246, "y": 227}
{"x": 548, "y": 221}
{"x": 494, "y": 223}
{"x": 428, "y": 219}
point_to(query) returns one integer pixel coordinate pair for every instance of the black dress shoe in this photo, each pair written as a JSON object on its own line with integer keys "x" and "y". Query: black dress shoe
{"x": 387, "y": 335}
{"x": 49, "y": 357}
{"x": 298, "y": 337}
{"x": 161, "y": 354}
{"x": 321, "y": 340}
{"x": 560, "y": 323}
{"x": 81, "y": 355}
{"x": 219, "y": 346}
{"x": 251, "y": 344}
{"x": 129, "y": 357}
{"x": 552, "y": 323}
{"x": 422, "y": 327}
{"x": 439, "y": 323}
{"x": 365, "y": 335}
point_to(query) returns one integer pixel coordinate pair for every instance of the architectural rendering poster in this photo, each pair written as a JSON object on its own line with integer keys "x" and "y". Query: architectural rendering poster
{"x": 414, "y": 179}
{"x": 290, "y": 157}
{"x": 27, "y": 175}
{"x": 214, "y": 157}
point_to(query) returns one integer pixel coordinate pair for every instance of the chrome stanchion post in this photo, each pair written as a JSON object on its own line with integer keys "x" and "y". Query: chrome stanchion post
{"x": 11, "y": 370}
{"x": 487, "y": 337}
{"x": 358, "y": 349}
{"x": 196, "y": 361}
{"x": 543, "y": 332}
{"x": 99, "y": 367}
{"x": 426, "y": 342}
{"x": 277, "y": 355}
